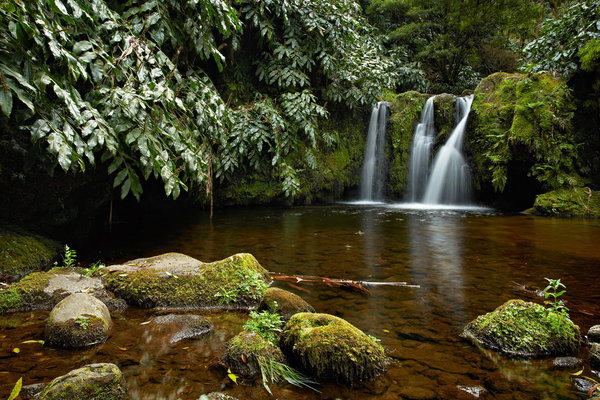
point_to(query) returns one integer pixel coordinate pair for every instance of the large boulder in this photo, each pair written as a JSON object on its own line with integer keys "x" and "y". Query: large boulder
{"x": 22, "y": 253}
{"x": 91, "y": 382}
{"x": 172, "y": 328}
{"x": 332, "y": 348}
{"x": 573, "y": 202}
{"x": 79, "y": 320}
{"x": 524, "y": 329}
{"x": 179, "y": 281}
{"x": 244, "y": 352}
{"x": 43, "y": 290}
{"x": 284, "y": 303}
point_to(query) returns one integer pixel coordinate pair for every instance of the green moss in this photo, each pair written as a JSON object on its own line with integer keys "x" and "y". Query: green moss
{"x": 523, "y": 120}
{"x": 243, "y": 350}
{"x": 11, "y": 299}
{"x": 405, "y": 114}
{"x": 21, "y": 253}
{"x": 332, "y": 348}
{"x": 443, "y": 109}
{"x": 524, "y": 329}
{"x": 285, "y": 303}
{"x": 237, "y": 281}
{"x": 28, "y": 292}
{"x": 92, "y": 382}
{"x": 575, "y": 202}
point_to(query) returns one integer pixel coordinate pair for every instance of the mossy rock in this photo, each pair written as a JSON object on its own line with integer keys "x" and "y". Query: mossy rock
{"x": 524, "y": 329}
{"x": 329, "y": 347}
{"x": 575, "y": 202}
{"x": 443, "y": 110}
{"x": 178, "y": 281}
{"x": 522, "y": 127}
{"x": 22, "y": 253}
{"x": 405, "y": 113}
{"x": 284, "y": 303}
{"x": 244, "y": 350}
{"x": 91, "y": 382}
{"x": 80, "y": 320}
{"x": 43, "y": 290}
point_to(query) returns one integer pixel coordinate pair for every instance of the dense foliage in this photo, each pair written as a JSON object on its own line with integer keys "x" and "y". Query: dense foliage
{"x": 130, "y": 85}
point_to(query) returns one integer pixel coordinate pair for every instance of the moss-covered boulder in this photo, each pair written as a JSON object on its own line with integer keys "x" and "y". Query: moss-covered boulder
{"x": 284, "y": 303}
{"x": 80, "y": 320}
{"x": 574, "y": 202}
{"x": 524, "y": 329}
{"x": 91, "y": 382}
{"x": 22, "y": 253}
{"x": 521, "y": 137}
{"x": 43, "y": 290}
{"x": 179, "y": 281}
{"x": 405, "y": 113}
{"x": 329, "y": 347}
{"x": 246, "y": 350}
{"x": 172, "y": 328}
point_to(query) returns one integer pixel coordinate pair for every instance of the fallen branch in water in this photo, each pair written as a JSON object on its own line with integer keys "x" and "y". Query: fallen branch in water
{"x": 358, "y": 286}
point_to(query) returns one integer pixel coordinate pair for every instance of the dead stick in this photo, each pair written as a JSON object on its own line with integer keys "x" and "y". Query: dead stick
{"x": 321, "y": 279}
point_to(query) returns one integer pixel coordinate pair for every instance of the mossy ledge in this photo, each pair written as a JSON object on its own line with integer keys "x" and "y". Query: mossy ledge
{"x": 22, "y": 253}
{"x": 329, "y": 347}
{"x": 575, "y": 202}
{"x": 524, "y": 329}
{"x": 178, "y": 281}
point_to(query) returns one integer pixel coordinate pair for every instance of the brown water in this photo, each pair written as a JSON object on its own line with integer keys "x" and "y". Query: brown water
{"x": 465, "y": 263}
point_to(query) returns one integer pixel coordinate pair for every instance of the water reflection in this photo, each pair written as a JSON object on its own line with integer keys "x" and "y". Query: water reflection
{"x": 436, "y": 262}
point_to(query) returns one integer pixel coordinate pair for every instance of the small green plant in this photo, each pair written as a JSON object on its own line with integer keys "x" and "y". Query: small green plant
{"x": 69, "y": 257}
{"x": 273, "y": 371}
{"x": 266, "y": 323}
{"x": 83, "y": 322}
{"x": 553, "y": 291}
{"x": 251, "y": 282}
{"x": 93, "y": 269}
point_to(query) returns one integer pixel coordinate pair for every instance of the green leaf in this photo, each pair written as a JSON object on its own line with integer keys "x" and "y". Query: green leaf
{"x": 16, "y": 390}
{"x": 6, "y": 101}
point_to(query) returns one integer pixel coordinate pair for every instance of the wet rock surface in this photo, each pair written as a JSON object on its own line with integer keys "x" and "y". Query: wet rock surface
{"x": 593, "y": 334}
{"x": 80, "y": 320}
{"x": 567, "y": 362}
{"x": 285, "y": 303}
{"x": 173, "y": 328}
{"x": 595, "y": 355}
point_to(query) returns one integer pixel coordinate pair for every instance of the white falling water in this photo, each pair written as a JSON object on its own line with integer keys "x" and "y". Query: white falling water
{"x": 373, "y": 171}
{"x": 420, "y": 153}
{"x": 450, "y": 179}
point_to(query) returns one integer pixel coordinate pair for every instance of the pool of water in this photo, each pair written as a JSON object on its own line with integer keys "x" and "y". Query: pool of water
{"x": 466, "y": 262}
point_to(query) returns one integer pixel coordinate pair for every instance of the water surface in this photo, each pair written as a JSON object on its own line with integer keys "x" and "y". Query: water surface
{"x": 466, "y": 262}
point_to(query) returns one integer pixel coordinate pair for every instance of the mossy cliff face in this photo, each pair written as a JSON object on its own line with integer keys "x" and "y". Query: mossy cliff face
{"x": 177, "y": 280}
{"x": 405, "y": 113}
{"x": 524, "y": 329}
{"x": 443, "y": 111}
{"x": 521, "y": 134}
{"x": 575, "y": 202}
{"x": 324, "y": 173}
{"x": 22, "y": 253}
{"x": 332, "y": 348}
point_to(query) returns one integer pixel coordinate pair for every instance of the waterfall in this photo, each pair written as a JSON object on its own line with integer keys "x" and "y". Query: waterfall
{"x": 420, "y": 153}
{"x": 373, "y": 171}
{"x": 450, "y": 179}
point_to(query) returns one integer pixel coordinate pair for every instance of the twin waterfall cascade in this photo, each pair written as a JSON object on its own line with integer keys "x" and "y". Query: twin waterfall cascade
{"x": 450, "y": 179}
{"x": 420, "y": 153}
{"x": 372, "y": 182}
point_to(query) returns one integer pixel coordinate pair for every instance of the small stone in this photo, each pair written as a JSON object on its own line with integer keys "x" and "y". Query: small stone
{"x": 567, "y": 362}
{"x": 79, "y": 320}
{"x": 475, "y": 391}
{"x": 91, "y": 382}
{"x": 216, "y": 396}
{"x": 594, "y": 334}
{"x": 595, "y": 356}
{"x": 582, "y": 384}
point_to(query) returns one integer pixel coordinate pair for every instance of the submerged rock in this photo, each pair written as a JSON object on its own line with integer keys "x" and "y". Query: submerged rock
{"x": 524, "y": 329}
{"x": 177, "y": 280}
{"x": 79, "y": 320}
{"x": 593, "y": 334}
{"x": 574, "y": 202}
{"x": 174, "y": 328}
{"x": 583, "y": 384}
{"x": 102, "y": 381}
{"x": 43, "y": 290}
{"x": 216, "y": 396}
{"x": 285, "y": 303}
{"x": 22, "y": 253}
{"x": 245, "y": 351}
{"x": 332, "y": 348}
{"x": 567, "y": 362}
